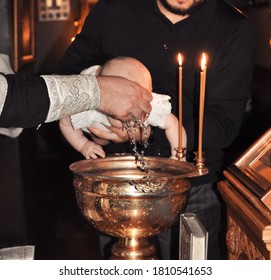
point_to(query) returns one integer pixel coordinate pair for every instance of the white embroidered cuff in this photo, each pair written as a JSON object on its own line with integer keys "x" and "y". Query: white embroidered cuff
{"x": 71, "y": 94}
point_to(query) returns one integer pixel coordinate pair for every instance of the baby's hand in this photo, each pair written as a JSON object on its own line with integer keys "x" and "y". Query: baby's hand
{"x": 92, "y": 150}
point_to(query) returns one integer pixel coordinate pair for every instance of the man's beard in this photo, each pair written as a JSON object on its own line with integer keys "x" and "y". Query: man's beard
{"x": 179, "y": 11}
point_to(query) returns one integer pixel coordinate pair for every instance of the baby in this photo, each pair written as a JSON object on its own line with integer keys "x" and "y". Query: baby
{"x": 160, "y": 116}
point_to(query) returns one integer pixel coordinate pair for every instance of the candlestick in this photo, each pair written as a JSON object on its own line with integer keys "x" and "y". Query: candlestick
{"x": 180, "y": 99}
{"x": 201, "y": 102}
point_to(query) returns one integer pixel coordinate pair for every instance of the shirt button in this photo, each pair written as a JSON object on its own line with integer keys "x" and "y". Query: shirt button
{"x": 165, "y": 47}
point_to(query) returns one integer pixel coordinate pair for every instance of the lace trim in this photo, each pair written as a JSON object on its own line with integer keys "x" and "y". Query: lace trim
{"x": 71, "y": 94}
{"x": 3, "y": 91}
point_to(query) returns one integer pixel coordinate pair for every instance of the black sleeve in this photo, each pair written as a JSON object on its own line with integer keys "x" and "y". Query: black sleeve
{"x": 27, "y": 102}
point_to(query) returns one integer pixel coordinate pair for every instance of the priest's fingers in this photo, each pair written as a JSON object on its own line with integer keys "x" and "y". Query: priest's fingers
{"x": 118, "y": 136}
{"x": 122, "y": 98}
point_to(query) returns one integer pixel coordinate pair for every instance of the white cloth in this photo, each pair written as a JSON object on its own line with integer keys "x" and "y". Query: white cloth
{"x": 3, "y": 91}
{"x": 6, "y": 69}
{"x": 161, "y": 108}
{"x": 90, "y": 118}
{"x": 93, "y": 70}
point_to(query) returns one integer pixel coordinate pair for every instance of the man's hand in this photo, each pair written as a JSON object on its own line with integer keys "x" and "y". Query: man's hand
{"x": 117, "y": 135}
{"x": 122, "y": 98}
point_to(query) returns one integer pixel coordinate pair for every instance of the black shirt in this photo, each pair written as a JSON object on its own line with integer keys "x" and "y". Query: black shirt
{"x": 27, "y": 102}
{"x": 137, "y": 28}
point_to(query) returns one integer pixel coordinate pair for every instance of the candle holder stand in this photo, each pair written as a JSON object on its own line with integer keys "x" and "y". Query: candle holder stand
{"x": 180, "y": 153}
{"x": 200, "y": 166}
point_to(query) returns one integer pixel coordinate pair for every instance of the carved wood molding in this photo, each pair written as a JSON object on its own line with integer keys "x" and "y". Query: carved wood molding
{"x": 239, "y": 246}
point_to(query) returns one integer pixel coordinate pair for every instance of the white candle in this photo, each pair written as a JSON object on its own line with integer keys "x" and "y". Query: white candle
{"x": 201, "y": 102}
{"x": 180, "y": 100}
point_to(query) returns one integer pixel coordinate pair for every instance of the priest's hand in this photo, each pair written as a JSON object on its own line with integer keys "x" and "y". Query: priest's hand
{"x": 118, "y": 134}
{"x": 123, "y": 99}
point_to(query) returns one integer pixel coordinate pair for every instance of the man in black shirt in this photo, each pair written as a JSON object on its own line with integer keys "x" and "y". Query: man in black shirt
{"x": 154, "y": 32}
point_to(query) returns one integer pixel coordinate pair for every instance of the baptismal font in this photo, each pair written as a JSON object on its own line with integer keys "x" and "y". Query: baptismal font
{"x": 121, "y": 198}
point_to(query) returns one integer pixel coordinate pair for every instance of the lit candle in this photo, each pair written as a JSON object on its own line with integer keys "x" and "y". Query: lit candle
{"x": 201, "y": 102}
{"x": 180, "y": 100}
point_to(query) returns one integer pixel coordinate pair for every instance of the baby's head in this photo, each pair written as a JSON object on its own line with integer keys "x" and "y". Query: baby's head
{"x": 129, "y": 68}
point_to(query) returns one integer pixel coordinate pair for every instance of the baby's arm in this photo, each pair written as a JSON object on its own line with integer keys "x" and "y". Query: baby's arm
{"x": 172, "y": 133}
{"x": 78, "y": 141}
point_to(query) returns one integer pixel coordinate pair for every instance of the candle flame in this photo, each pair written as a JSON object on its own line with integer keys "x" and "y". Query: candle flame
{"x": 180, "y": 60}
{"x": 203, "y": 61}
